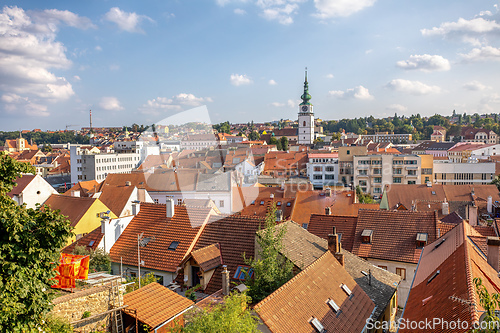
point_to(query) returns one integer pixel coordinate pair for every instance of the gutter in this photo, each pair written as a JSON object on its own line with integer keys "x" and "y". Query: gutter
{"x": 371, "y": 317}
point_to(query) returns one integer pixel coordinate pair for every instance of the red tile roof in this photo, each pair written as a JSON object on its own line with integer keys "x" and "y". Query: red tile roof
{"x": 116, "y": 197}
{"x": 72, "y": 207}
{"x": 184, "y": 227}
{"x": 208, "y": 257}
{"x": 293, "y": 305}
{"x": 21, "y": 183}
{"x": 322, "y": 226}
{"x": 94, "y": 237}
{"x": 155, "y": 304}
{"x": 394, "y": 234}
{"x": 86, "y": 188}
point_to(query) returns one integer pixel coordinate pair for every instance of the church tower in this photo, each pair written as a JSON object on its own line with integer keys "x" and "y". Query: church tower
{"x": 306, "y": 118}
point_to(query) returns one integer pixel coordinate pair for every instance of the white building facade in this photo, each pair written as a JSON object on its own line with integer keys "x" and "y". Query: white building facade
{"x": 306, "y": 118}
{"x": 323, "y": 170}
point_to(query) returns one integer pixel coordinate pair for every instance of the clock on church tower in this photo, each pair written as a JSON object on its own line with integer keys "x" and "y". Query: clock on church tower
{"x": 306, "y": 117}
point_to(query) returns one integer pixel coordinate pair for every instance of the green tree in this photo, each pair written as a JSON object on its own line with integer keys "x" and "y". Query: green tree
{"x": 284, "y": 143}
{"x": 496, "y": 181}
{"x": 30, "y": 240}
{"x": 47, "y": 148}
{"x": 362, "y": 197}
{"x": 231, "y": 316}
{"x": 489, "y": 302}
{"x": 254, "y": 136}
{"x": 100, "y": 261}
{"x": 270, "y": 269}
{"x": 145, "y": 280}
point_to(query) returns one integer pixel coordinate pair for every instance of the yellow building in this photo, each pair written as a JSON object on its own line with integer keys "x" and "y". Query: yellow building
{"x": 83, "y": 213}
{"x": 426, "y": 164}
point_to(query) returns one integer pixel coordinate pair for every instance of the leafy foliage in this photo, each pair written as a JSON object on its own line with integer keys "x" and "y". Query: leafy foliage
{"x": 231, "y": 316}
{"x": 270, "y": 269}
{"x": 489, "y": 302}
{"x": 145, "y": 280}
{"x": 254, "y": 136}
{"x": 54, "y": 324}
{"x": 224, "y": 127}
{"x": 363, "y": 198}
{"x": 30, "y": 240}
{"x": 100, "y": 261}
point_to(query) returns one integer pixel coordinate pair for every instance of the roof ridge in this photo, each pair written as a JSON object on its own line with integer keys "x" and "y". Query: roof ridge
{"x": 468, "y": 274}
{"x": 272, "y": 295}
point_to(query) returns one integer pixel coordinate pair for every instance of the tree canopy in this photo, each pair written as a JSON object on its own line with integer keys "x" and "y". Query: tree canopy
{"x": 30, "y": 240}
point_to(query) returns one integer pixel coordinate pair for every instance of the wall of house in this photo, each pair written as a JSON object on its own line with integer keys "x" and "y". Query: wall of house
{"x": 204, "y": 279}
{"x": 390, "y": 312}
{"x": 168, "y": 277}
{"x": 404, "y": 285}
{"x": 446, "y": 172}
{"x": 90, "y": 220}
{"x": 94, "y": 300}
{"x": 37, "y": 191}
{"x": 113, "y": 228}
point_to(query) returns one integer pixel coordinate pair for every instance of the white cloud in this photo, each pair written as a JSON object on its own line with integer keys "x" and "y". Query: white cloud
{"x": 175, "y": 103}
{"x": 277, "y": 104}
{"x": 396, "y": 108}
{"x": 98, "y": 48}
{"x": 240, "y": 79}
{"x": 358, "y": 92}
{"x": 17, "y": 104}
{"x": 335, "y": 8}
{"x": 272, "y": 83}
{"x": 293, "y": 103}
{"x": 482, "y": 54}
{"x": 412, "y": 87}
{"x": 425, "y": 63}
{"x": 50, "y": 18}
{"x": 126, "y": 21}
{"x": 489, "y": 99}
{"x": 29, "y": 51}
{"x": 114, "y": 67}
{"x": 77, "y": 78}
{"x": 463, "y": 26}
{"x": 475, "y": 86}
{"x": 329, "y": 76}
{"x": 110, "y": 103}
{"x": 240, "y": 11}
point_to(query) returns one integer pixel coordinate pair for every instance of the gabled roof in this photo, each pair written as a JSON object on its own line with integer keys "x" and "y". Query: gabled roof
{"x": 116, "y": 197}
{"x": 21, "y": 183}
{"x": 165, "y": 180}
{"x": 72, "y": 207}
{"x": 292, "y": 306}
{"x": 235, "y": 236}
{"x": 208, "y": 257}
{"x": 184, "y": 227}
{"x": 153, "y": 161}
{"x": 90, "y": 241}
{"x": 155, "y": 304}
{"x": 84, "y": 187}
{"x": 394, "y": 234}
{"x": 443, "y": 286}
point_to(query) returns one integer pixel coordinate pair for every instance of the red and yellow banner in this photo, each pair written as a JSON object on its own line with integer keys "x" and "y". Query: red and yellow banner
{"x": 71, "y": 267}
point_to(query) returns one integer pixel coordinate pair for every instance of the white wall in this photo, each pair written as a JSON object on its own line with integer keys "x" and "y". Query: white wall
{"x": 37, "y": 191}
{"x": 167, "y": 276}
{"x": 113, "y": 228}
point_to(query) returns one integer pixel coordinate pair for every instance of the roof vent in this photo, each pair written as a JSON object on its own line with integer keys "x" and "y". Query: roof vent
{"x": 421, "y": 239}
{"x": 272, "y": 196}
{"x": 429, "y": 184}
{"x": 333, "y": 305}
{"x": 439, "y": 243}
{"x": 433, "y": 276}
{"x": 317, "y": 325}
{"x": 346, "y": 289}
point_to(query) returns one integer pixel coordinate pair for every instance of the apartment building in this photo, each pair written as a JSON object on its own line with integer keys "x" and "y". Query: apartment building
{"x": 470, "y": 134}
{"x": 346, "y": 164}
{"x": 461, "y": 152}
{"x": 201, "y": 141}
{"x": 387, "y": 137}
{"x": 372, "y": 172}
{"x": 323, "y": 169}
{"x": 452, "y": 173}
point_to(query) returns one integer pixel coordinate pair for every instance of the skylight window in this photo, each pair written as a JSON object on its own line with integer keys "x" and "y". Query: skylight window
{"x": 433, "y": 276}
{"x": 333, "y": 305}
{"x": 262, "y": 202}
{"x": 288, "y": 204}
{"x": 346, "y": 289}
{"x": 144, "y": 241}
{"x": 278, "y": 203}
{"x": 173, "y": 245}
{"x": 317, "y": 325}
{"x": 253, "y": 202}
{"x": 91, "y": 243}
{"x": 439, "y": 243}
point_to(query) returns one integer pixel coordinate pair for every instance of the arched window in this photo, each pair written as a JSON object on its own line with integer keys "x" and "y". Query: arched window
{"x": 304, "y": 123}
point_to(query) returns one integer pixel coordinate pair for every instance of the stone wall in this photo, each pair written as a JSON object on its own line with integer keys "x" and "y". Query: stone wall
{"x": 95, "y": 300}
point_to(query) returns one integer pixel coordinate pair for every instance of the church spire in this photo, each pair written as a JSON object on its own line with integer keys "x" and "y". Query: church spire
{"x": 305, "y": 96}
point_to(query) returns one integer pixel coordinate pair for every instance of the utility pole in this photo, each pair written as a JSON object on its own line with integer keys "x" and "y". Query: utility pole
{"x": 139, "y": 257}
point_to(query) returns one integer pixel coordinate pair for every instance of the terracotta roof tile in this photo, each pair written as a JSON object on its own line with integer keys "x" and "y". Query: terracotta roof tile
{"x": 90, "y": 241}
{"x": 292, "y": 306}
{"x": 322, "y": 226}
{"x": 394, "y": 234}
{"x": 155, "y": 304}
{"x": 116, "y": 197}
{"x": 208, "y": 257}
{"x": 21, "y": 183}
{"x": 184, "y": 227}
{"x": 72, "y": 207}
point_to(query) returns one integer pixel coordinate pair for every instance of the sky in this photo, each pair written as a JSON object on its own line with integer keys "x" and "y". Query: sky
{"x": 142, "y": 61}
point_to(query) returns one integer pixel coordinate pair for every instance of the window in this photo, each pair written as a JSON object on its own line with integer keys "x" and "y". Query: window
{"x": 377, "y": 171}
{"x": 396, "y": 180}
{"x": 329, "y": 176}
{"x": 377, "y": 190}
{"x": 362, "y": 183}
{"x": 240, "y": 272}
{"x": 401, "y": 272}
{"x": 333, "y": 305}
{"x": 173, "y": 245}
{"x": 156, "y": 201}
{"x": 179, "y": 202}
{"x": 318, "y": 177}
{"x": 383, "y": 267}
{"x": 329, "y": 169}
{"x": 221, "y": 203}
{"x": 348, "y": 152}
{"x": 362, "y": 172}
{"x": 377, "y": 180}
{"x": 317, "y": 325}
{"x": 304, "y": 225}
{"x": 317, "y": 168}
{"x": 412, "y": 172}
{"x": 396, "y": 171}
{"x": 426, "y": 171}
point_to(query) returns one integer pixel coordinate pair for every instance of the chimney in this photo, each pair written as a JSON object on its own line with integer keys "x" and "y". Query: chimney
{"x": 328, "y": 192}
{"x": 493, "y": 244}
{"x": 489, "y": 205}
{"x": 75, "y": 193}
{"x": 334, "y": 246}
{"x": 136, "y": 207}
{"x": 472, "y": 214}
{"x": 328, "y": 211}
{"x": 127, "y": 183}
{"x": 225, "y": 280}
{"x": 272, "y": 196}
{"x": 279, "y": 215}
{"x": 445, "y": 208}
{"x": 170, "y": 208}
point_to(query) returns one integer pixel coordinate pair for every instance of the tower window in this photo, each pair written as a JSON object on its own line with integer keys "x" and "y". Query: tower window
{"x": 304, "y": 123}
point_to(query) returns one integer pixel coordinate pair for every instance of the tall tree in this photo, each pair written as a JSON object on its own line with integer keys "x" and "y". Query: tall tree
{"x": 284, "y": 143}
{"x": 30, "y": 240}
{"x": 271, "y": 269}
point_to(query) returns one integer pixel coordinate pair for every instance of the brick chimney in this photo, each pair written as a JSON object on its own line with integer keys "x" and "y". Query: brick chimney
{"x": 225, "y": 280}
{"x": 493, "y": 255}
{"x": 328, "y": 211}
{"x": 445, "y": 207}
{"x": 170, "y": 208}
{"x": 471, "y": 211}
{"x": 334, "y": 246}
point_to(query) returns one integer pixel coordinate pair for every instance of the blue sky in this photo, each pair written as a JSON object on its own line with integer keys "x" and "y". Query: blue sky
{"x": 132, "y": 61}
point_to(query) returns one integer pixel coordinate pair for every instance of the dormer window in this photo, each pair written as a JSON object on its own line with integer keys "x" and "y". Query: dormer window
{"x": 421, "y": 239}
{"x": 366, "y": 236}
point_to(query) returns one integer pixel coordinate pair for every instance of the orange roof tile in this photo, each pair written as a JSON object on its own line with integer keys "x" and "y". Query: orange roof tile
{"x": 90, "y": 241}
{"x": 72, "y": 207}
{"x": 184, "y": 227}
{"x": 208, "y": 257}
{"x": 21, "y": 183}
{"x": 322, "y": 226}
{"x": 116, "y": 197}
{"x": 293, "y": 305}
{"x": 155, "y": 304}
